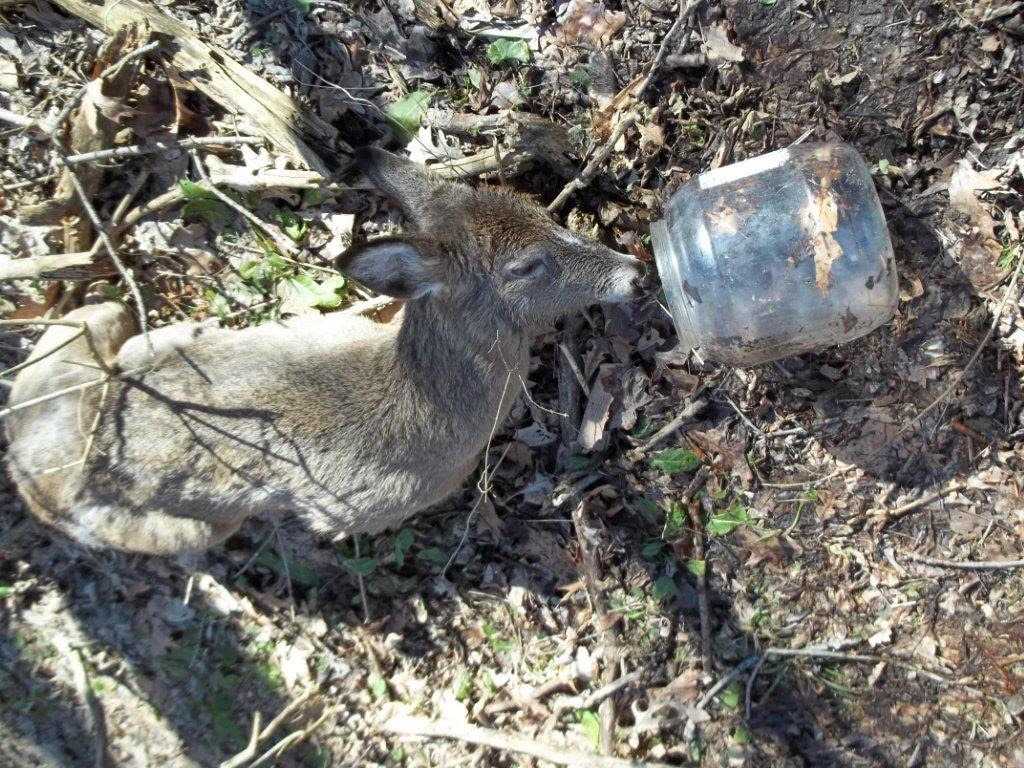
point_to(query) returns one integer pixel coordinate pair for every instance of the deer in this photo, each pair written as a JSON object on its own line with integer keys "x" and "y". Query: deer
{"x": 351, "y": 424}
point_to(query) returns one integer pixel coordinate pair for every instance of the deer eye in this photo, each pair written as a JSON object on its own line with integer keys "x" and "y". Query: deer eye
{"x": 527, "y": 268}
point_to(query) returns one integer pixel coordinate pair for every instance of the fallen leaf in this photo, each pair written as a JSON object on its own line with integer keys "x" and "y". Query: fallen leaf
{"x": 584, "y": 21}
{"x": 979, "y": 249}
{"x": 599, "y": 406}
{"x": 718, "y": 47}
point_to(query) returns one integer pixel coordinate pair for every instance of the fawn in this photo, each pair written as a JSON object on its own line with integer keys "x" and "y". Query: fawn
{"x": 352, "y": 424}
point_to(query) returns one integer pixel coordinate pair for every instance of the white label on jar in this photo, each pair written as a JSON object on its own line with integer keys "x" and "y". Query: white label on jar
{"x": 743, "y": 169}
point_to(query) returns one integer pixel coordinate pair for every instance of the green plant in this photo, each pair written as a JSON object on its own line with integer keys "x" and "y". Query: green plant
{"x": 407, "y": 113}
{"x": 675, "y": 460}
{"x": 591, "y": 724}
{"x": 675, "y": 521}
{"x": 506, "y": 51}
{"x": 403, "y": 542}
{"x": 201, "y": 203}
{"x": 498, "y": 643}
{"x": 726, "y": 521}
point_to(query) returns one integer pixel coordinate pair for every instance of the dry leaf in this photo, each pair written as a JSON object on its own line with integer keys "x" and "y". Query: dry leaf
{"x": 979, "y": 249}
{"x": 599, "y": 406}
{"x": 584, "y": 21}
{"x": 718, "y": 47}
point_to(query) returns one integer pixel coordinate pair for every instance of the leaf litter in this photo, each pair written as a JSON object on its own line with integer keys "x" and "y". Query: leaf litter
{"x": 931, "y": 100}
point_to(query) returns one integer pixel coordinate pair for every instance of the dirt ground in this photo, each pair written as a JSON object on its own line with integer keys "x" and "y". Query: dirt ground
{"x": 816, "y": 484}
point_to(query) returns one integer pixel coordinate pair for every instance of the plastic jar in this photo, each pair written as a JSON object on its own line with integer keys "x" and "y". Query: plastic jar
{"x": 777, "y": 255}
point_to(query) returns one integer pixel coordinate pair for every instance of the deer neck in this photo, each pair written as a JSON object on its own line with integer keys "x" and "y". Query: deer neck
{"x": 458, "y": 360}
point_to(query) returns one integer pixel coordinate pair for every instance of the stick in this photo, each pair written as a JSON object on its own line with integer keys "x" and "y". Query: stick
{"x": 906, "y": 509}
{"x": 57, "y": 266}
{"x": 593, "y": 166}
{"x": 406, "y": 725}
{"x": 703, "y": 604}
{"x": 693, "y": 408}
{"x": 249, "y": 752}
{"x": 599, "y": 695}
{"x": 820, "y": 653}
{"x": 93, "y": 707}
{"x": 161, "y": 146}
{"x": 686, "y": 9}
{"x": 967, "y": 565}
{"x": 281, "y": 240}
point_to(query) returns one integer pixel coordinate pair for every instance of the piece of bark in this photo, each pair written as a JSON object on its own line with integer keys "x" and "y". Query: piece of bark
{"x": 209, "y": 69}
{"x": 63, "y": 266}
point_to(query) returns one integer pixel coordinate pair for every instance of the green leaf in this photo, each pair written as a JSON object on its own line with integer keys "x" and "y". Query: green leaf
{"x": 577, "y": 463}
{"x": 304, "y": 5}
{"x": 696, "y": 567}
{"x": 264, "y": 271}
{"x": 407, "y": 114}
{"x": 378, "y": 687}
{"x": 360, "y": 566}
{"x": 741, "y": 735}
{"x": 730, "y": 697}
{"x": 296, "y": 228}
{"x": 464, "y": 687}
{"x": 580, "y": 77}
{"x": 675, "y": 460}
{"x": 727, "y": 521}
{"x": 301, "y": 290}
{"x": 213, "y": 212}
{"x": 498, "y": 643}
{"x": 475, "y": 77}
{"x": 648, "y": 509}
{"x": 403, "y": 541}
{"x": 591, "y": 726}
{"x": 652, "y": 550}
{"x": 433, "y": 555}
{"x": 675, "y": 520}
{"x": 665, "y": 588}
{"x": 299, "y": 573}
{"x": 504, "y": 50}
{"x": 6, "y": 592}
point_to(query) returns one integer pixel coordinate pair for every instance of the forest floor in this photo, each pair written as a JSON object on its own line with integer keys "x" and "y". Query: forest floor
{"x": 848, "y": 519}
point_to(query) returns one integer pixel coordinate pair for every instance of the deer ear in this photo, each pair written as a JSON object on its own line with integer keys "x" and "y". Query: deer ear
{"x": 409, "y": 184}
{"x": 395, "y": 266}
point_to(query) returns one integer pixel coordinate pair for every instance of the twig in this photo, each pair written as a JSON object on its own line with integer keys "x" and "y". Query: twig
{"x": 15, "y": 119}
{"x": 592, "y": 168}
{"x": 750, "y": 685}
{"x": 290, "y": 740}
{"x": 902, "y": 511}
{"x": 281, "y": 240}
{"x": 95, "y": 710}
{"x": 406, "y": 725}
{"x": 258, "y": 736}
{"x": 249, "y": 752}
{"x": 51, "y": 396}
{"x": 484, "y": 484}
{"x": 362, "y": 584}
{"x": 693, "y": 409}
{"x": 101, "y": 232}
{"x": 156, "y": 147}
{"x": 686, "y": 9}
{"x": 820, "y": 653}
{"x": 967, "y": 565}
{"x": 599, "y": 695}
{"x": 703, "y": 604}
{"x": 725, "y": 682}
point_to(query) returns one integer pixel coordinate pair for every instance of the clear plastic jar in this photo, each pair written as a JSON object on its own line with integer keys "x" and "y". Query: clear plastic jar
{"x": 777, "y": 255}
